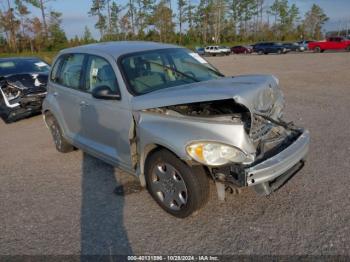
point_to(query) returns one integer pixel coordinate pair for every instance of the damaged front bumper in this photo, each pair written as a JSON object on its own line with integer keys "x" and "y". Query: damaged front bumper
{"x": 272, "y": 173}
{"x": 269, "y": 174}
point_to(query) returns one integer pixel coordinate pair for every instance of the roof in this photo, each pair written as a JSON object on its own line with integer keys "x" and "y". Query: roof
{"x": 118, "y": 48}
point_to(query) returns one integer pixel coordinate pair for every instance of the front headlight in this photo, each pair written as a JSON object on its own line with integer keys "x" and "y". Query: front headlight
{"x": 216, "y": 154}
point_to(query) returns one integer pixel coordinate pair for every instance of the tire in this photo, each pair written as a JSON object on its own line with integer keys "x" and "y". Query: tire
{"x": 348, "y": 48}
{"x": 61, "y": 143}
{"x": 184, "y": 189}
{"x": 317, "y": 49}
{"x": 279, "y": 51}
{"x": 260, "y": 52}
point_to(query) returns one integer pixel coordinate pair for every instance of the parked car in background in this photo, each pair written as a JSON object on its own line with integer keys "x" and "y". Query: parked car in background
{"x": 22, "y": 87}
{"x": 240, "y": 49}
{"x": 200, "y": 50}
{"x": 269, "y": 47}
{"x": 304, "y": 44}
{"x": 183, "y": 122}
{"x": 217, "y": 50}
{"x": 295, "y": 47}
{"x": 331, "y": 43}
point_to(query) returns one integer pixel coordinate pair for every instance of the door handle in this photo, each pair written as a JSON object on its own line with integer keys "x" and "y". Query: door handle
{"x": 83, "y": 103}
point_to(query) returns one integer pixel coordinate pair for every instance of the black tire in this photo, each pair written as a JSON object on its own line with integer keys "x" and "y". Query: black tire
{"x": 348, "y": 48}
{"x": 279, "y": 51}
{"x": 317, "y": 49}
{"x": 260, "y": 52}
{"x": 195, "y": 179}
{"x": 61, "y": 143}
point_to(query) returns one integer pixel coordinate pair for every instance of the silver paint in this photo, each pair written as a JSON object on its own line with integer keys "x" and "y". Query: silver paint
{"x": 124, "y": 132}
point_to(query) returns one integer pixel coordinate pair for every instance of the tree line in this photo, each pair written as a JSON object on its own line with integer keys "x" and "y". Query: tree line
{"x": 183, "y": 22}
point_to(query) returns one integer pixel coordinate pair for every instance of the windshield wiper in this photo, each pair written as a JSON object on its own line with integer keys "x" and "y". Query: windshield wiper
{"x": 206, "y": 67}
{"x": 174, "y": 70}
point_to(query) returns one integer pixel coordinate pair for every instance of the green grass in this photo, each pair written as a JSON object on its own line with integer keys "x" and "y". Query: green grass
{"x": 46, "y": 56}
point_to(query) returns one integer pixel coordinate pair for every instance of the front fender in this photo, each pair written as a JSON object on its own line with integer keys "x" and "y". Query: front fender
{"x": 174, "y": 133}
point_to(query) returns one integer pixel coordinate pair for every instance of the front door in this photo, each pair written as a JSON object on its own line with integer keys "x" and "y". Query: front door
{"x": 106, "y": 123}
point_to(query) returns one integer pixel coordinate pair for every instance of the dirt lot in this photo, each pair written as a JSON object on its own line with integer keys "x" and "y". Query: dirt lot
{"x": 54, "y": 203}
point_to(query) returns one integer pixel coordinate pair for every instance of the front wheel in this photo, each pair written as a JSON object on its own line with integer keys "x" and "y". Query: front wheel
{"x": 348, "y": 48}
{"x": 178, "y": 188}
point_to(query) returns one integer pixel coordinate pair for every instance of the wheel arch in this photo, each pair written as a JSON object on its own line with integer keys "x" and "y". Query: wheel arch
{"x": 146, "y": 152}
{"x": 49, "y": 114}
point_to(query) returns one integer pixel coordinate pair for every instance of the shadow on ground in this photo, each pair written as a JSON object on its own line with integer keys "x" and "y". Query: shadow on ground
{"x": 102, "y": 221}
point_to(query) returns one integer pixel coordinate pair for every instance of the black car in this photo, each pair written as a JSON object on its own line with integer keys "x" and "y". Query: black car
{"x": 296, "y": 47}
{"x": 269, "y": 47}
{"x": 22, "y": 87}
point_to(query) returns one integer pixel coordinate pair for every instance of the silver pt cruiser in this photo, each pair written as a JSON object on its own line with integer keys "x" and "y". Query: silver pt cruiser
{"x": 165, "y": 114}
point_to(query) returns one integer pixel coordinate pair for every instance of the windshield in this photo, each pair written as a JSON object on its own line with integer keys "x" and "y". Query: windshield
{"x": 158, "y": 69}
{"x": 20, "y": 66}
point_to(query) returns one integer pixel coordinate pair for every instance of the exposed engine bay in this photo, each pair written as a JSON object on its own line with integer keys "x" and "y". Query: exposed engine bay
{"x": 21, "y": 95}
{"x": 268, "y": 134}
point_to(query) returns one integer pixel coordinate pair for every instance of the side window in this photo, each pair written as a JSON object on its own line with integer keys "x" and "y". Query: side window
{"x": 71, "y": 71}
{"x": 55, "y": 70}
{"x": 100, "y": 73}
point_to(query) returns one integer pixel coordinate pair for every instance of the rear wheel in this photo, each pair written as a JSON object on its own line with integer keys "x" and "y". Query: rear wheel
{"x": 179, "y": 189}
{"x": 61, "y": 143}
{"x": 279, "y": 51}
{"x": 317, "y": 49}
{"x": 348, "y": 48}
{"x": 260, "y": 52}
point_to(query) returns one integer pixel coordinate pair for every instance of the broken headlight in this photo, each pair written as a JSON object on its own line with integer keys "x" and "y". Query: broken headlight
{"x": 216, "y": 154}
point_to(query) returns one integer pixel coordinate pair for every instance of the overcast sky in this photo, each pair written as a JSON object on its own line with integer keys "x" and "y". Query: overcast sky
{"x": 75, "y": 13}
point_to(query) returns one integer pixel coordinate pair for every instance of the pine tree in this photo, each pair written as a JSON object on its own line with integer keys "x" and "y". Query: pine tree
{"x": 97, "y": 8}
{"x": 181, "y": 7}
{"x": 314, "y": 21}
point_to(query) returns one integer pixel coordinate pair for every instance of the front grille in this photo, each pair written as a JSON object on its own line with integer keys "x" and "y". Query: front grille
{"x": 260, "y": 127}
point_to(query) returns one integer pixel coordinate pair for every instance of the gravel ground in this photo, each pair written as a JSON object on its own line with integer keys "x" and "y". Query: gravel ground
{"x": 54, "y": 203}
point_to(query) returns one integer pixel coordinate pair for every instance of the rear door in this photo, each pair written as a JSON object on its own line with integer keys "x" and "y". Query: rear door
{"x": 66, "y": 85}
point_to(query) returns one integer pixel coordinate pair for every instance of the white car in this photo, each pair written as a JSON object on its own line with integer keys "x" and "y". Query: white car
{"x": 217, "y": 50}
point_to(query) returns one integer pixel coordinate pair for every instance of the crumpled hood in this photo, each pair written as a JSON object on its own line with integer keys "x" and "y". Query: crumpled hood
{"x": 259, "y": 93}
{"x": 32, "y": 82}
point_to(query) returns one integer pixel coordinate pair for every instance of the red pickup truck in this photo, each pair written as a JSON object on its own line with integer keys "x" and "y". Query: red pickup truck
{"x": 332, "y": 43}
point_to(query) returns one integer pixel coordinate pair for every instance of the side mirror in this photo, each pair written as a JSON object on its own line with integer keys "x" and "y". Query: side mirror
{"x": 104, "y": 92}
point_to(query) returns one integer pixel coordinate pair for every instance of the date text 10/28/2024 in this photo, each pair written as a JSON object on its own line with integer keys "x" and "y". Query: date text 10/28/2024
{"x": 173, "y": 258}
